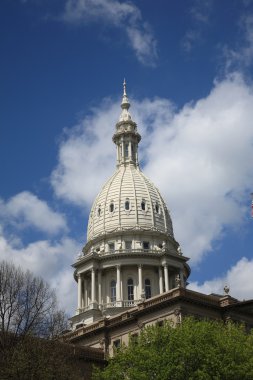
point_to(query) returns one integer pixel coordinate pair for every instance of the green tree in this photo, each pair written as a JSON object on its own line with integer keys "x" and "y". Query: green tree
{"x": 194, "y": 350}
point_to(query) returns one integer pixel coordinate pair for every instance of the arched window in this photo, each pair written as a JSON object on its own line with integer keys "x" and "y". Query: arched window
{"x": 130, "y": 289}
{"x": 111, "y": 207}
{"x": 157, "y": 208}
{"x": 143, "y": 205}
{"x": 147, "y": 288}
{"x": 127, "y": 205}
{"x": 113, "y": 291}
{"x": 99, "y": 211}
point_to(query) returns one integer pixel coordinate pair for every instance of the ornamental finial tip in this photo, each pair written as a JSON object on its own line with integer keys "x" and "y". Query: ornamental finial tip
{"x": 124, "y": 87}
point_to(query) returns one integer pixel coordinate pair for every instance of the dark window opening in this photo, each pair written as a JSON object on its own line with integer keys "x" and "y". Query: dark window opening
{"x": 128, "y": 244}
{"x": 146, "y": 245}
{"x": 126, "y": 149}
{"x": 99, "y": 211}
{"x": 127, "y": 205}
{"x": 113, "y": 291}
{"x": 111, "y": 247}
{"x": 116, "y": 343}
{"x": 111, "y": 207}
{"x": 147, "y": 288}
{"x": 143, "y": 205}
{"x": 130, "y": 289}
{"x": 157, "y": 209}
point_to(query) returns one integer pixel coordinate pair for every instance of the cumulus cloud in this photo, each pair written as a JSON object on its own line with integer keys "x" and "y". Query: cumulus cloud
{"x": 50, "y": 260}
{"x": 27, "y": 210}
{"x": 122, "y": 15}
{"x": 199, "y": 157}
{"x": 238, "y": 278}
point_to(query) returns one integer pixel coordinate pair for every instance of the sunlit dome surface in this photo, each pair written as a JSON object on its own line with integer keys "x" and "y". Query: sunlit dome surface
{"x": 128, "y": 201}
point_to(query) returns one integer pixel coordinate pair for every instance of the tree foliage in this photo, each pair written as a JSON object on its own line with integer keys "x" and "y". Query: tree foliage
{"x": 194, "y": 350}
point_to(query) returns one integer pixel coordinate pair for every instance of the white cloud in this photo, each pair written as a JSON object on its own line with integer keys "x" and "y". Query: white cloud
{"x": 26, "y": 210}
{"x": 123, "y": 15}
{"x": 238, "y": 278}
{"x": 50, "y": 260}
{"x": 200, "y": 157}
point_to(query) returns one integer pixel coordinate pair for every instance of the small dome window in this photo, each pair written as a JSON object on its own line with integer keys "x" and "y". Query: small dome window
{"x": 127, "y": 205}
{"x": 111, "y": 247}
{"x": 111, "y": 207}
{"x": 143, "y": 205}
{"x": 145, "y": 245}
{"x": 157, "y": 208}
{"x": 99, "y": 211}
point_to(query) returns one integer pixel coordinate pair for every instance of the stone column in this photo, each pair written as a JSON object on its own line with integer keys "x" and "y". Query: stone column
{"x": 166, "y": 278}
{"x": 99, "y": 287}
{"x": 118, "y": 148}
{"x": 140, "y": 279}
{"x": 118, "y": 295}
{"x": 93, "y": 290}
{"x": 160, "y": 280}
{"x": 82, "y": 303}
{"x": 85, "y": 293}
{"x": 79, "y": 291}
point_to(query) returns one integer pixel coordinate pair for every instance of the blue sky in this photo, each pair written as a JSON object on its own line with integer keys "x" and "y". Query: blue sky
{"x": 188, "y": 66}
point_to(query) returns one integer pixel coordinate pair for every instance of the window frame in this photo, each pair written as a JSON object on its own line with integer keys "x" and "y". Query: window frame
{"x": 110, "y": 245}
{"x": 147, "y": 288}
{"x": 130, "y": 243}
{"x": 113, "y": 286}
{"x": 143, "y": 205}
{"x": 111, "y": 207}
{"x": 130, "y": 289}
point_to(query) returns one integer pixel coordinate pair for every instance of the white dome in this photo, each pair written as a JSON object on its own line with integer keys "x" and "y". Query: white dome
{"x": 128, "y": 201}
{"x": 130, "y": 251}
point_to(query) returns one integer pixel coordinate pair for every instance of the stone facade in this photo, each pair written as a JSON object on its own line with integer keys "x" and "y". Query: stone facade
{"x": 110, "y": 332}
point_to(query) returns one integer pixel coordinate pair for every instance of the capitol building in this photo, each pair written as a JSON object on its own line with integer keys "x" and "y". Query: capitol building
{"x": 131, "y": 272}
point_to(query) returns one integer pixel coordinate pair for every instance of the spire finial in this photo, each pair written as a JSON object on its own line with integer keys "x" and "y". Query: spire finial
{"x": 125, "y": 115}
{"x": 124, "y": 88}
